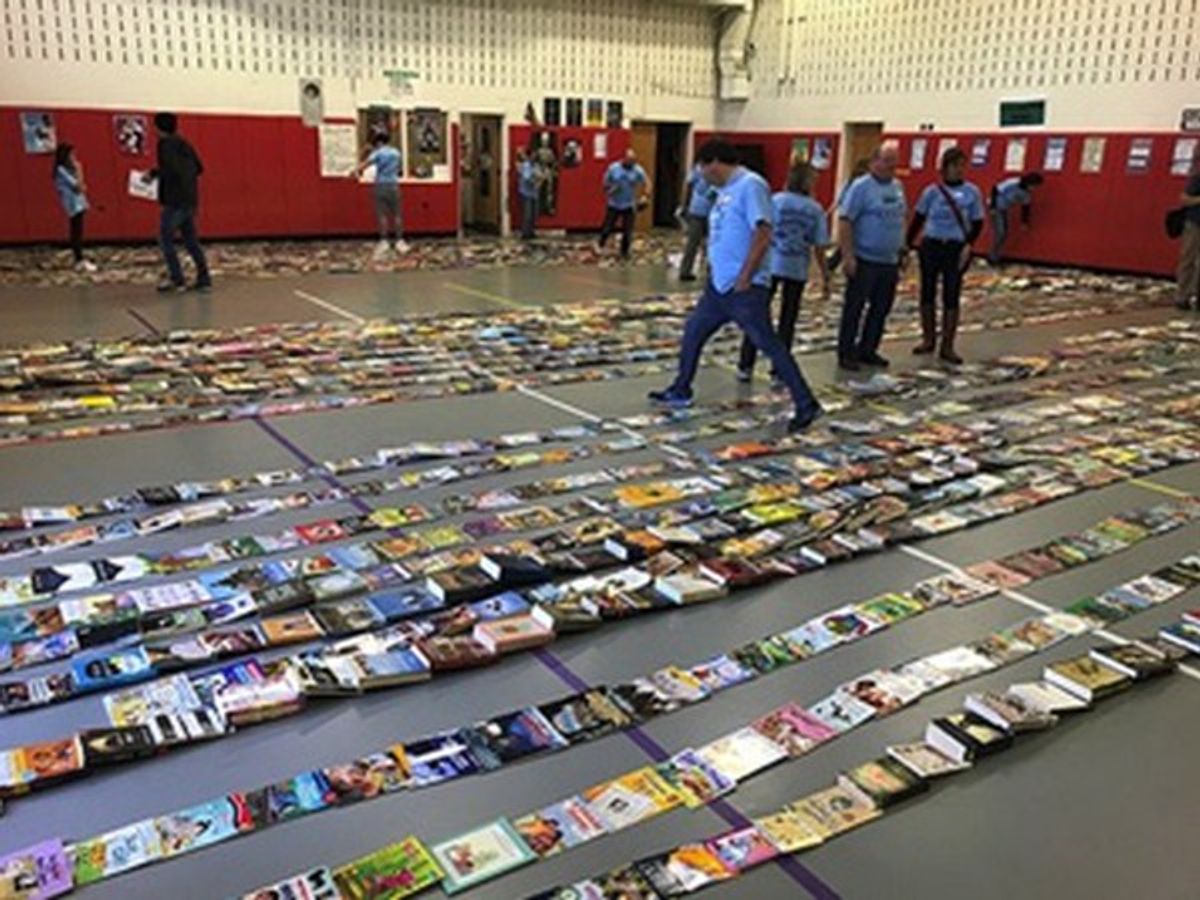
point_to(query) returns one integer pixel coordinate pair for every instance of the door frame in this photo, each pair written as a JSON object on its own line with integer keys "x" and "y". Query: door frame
{"x": 848, "y": 154}
{"x": 645, "y": 219}
{"x": 464, "y": 119}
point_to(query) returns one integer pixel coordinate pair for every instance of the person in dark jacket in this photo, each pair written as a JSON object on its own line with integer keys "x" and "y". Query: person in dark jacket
{"x": 178, "y": 173}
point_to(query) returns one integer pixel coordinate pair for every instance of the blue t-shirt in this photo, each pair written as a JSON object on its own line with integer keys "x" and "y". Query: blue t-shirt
{"x": 799, "y": 226}
{"x": 741, "y": 205}
{"x": 73, "y": 200}
{"x": 386, "y": 160}
{"x": 940, "y": 221}
{"x": 527, "y": 179}
{"x": 1009, "y": 193}
{"x": 701, "y": 201}
{"x": 876, "y": 209}
{"x": 619, "y": 184}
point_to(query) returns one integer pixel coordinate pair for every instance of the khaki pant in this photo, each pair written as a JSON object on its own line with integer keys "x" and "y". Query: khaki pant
{"x": 1189, "y": 265}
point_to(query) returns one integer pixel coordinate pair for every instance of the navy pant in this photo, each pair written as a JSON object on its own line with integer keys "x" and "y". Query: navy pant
{"x": 528, "y": 215}
{"x": 789, "y": 309}
{"x": 750, "y": 310}
{"x": 941, "y": 261}
{"x": 872, "y": 291}
{"x": 181, "y": 220}
{"x": 611, "y": 214}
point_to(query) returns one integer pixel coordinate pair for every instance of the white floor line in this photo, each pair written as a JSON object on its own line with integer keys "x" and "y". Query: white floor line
{"x": 1030, "y": 603}
{"x": 331, "y": 307}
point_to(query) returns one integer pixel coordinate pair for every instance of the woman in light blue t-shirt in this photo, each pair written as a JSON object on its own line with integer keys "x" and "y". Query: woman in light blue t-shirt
{"x": 72, "y": 194}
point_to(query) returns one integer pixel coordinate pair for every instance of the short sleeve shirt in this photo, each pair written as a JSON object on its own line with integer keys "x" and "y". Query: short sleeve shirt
{"x": 800, "y": 225}
{"x": 620, "y": 182}
{"x": 386, "y": 160}
{"x": 941, "y": 223}
{"x": 740, "y": 206}
{"x": 876, "y": 210}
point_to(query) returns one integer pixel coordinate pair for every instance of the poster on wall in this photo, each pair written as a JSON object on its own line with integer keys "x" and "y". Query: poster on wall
{"x": 1189, "y": 119}
{"x": 614, "y": 114}
{"x": 37, "y": 132}
{"x": 376, "y": 121}
{"x": 1056, "y": 154}
{"x": 1091, "y": 160}
{"x": 945, "y": 144}
{"x": 1014, "y": 155}
{"x": 595, "y": 113}
{"x": 981, "y": 151}
{"x": 131, "y": 134}
{"x": 600, "y": 145}
{"x": 916, "y": 154}
{"x": 552, "y": 111}
{"x": 426, "y": 142}
{"x": 543, "y": 147}
{"x": 1140, "y": 150}
{"x": 822, "y": 154}
{"x": 572, "y": 157}
{"x": 574, "y": 111}
{"x": 799, "y": 151}
{"x": 312, "y": 102}
{"x": 1182, "y": 155}
{"x": 338, "y": 146}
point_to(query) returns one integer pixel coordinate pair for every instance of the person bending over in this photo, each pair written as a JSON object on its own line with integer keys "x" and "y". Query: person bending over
{"x": 1009, "y": 193}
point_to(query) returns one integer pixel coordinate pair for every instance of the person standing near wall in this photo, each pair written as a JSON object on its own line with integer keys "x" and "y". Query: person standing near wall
{"x": 697, "y": 203}
{"x": 799, "y": 232}
{"x": 1005, "y": 195}
{"x": 386, "y": 160}
{"x": 625, "y": 184}
{"x": 950, "y": 212}
{"x": 871, "y": 237}
{"x": 527, "y": 190}
{"x": 178, "y": 173}
{"x": 739, "y": 236}
{"x": 861, "y": 167}
{"x": 1188, "y": 275}
{"x": 72, "y": 194}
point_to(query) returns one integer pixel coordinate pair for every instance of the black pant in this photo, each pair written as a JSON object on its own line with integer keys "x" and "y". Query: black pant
{"x": 77, "y": 236}
{"x": 941, "y": 260}
{"x": 611, "y": 214}
{"x": 789, "y": 309}
{"x": 873, "y": 290}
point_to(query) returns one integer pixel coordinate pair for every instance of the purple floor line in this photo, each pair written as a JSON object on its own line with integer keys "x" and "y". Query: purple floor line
{"x": 798, "y": 872}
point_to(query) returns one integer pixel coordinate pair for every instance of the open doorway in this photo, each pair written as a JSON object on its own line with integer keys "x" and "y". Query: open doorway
{"x": 482, "y": 175}
{"x": 859, "y": 140}
{"x": 662, "y": 150}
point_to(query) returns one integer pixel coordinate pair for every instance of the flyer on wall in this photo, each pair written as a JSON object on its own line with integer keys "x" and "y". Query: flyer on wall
{"x": 916, "y": 160}
{"x": 1056, "y": 154}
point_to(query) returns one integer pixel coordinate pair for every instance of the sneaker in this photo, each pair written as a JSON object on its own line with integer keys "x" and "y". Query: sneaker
{"x": 949, "y": 356}
{"x": 744, "y": 375}
{"x": 687, "y": 277}
{"x": 671, "y": 397}
{"x": 874, "y": 360}
{"x": 922, "y": 349}
{"x": 382, "y": 249}
{"x": 850, "y": 365}
{"x": 170, "y": 287}
{"x": 802, "y": 420}
{"x": 402, "y": 247}
{"x": 85, "y": 265}
{"x": 201, "y": 287}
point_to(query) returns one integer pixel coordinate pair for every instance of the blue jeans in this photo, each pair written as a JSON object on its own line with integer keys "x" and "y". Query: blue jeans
{"x": 181, "y": 220}
{"x": 999, "y": 235}
{"x": 529, "y": 207}
{"x": 750, "y": 310}
{"x": 873, "y": 290}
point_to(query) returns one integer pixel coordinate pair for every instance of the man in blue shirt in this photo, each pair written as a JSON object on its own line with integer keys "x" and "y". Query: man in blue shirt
{"x": 697, "y": 203}
{"x": 1009, "y": 193}
{"x": 386, "y": 159}
{"x": 527, "y": 190}
{"x": 871, "y": 237}
{"x": 799, "y": 231}
{"x": 739, "y": 235}
{"x": 622, "y": 182}
{"x": 951, "y": 214}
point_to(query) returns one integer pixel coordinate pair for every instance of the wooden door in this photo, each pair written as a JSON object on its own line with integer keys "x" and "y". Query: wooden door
{"x": 860, "y": 142}
{"x": 487, "y": 181}
{"x": 644, "y": 140}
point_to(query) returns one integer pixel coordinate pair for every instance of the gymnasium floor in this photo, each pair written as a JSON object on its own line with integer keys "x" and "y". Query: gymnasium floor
{"x": 1106, "y": 804}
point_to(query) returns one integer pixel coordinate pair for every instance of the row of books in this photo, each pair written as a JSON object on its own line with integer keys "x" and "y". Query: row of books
{"x": 692, "y": 777}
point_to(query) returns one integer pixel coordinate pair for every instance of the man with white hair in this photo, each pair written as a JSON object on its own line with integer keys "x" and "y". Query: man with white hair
{"x": 871, "y": 238}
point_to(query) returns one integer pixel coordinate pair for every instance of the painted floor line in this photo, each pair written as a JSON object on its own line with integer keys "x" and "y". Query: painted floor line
{"x": 143, "y": 321}
{"x": 330, "y": 307}
{"x": 485, "y": 295}
{"x": 1159, "y": 488}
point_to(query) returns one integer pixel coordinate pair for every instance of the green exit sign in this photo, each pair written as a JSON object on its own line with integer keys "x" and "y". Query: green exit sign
{"x": 1022, "y": 113}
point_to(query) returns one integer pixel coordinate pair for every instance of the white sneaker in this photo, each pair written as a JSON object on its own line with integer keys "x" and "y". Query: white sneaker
{"x": 402, "y": 247}
{"x": 382, "y": 250}
{"x": 85, "y": 265}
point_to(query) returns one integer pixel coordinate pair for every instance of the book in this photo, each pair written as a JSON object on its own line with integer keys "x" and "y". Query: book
{"x": 1183, "y": 634}
{"x": 559, "y": 827}
{"x": 836, "y": 810}
{"x": 111, "y": 670}
{"x": 327, "y": 676}
{"x": 370, "y": 776}
{"x": 479, "y": 855}
{"x": 437, "y": 758}
{"x": 512, "y": 736}
{"x": 742, "y": 753}
{"x": 404, "y": 602}
{"x": 925, "y": 761}
{"x": 347, "y": 616}
{"x": 685, "y": 869}
{"x": 244, "y": 704}
{"x": 585, "y": 716}
{"x": 114, "y": 852}
{"x": 567, "y": 615}
{"x": 499, "y": 606}
{"x": 688, "y": 587}
{"x": 735, "y": 573}
{"x": 398, "y": 870}
{"x": 965, "y": 737}
{"x": 40, "y": 872}
{"x": 315, "y": 884}
{"x": 1085, "y": 678}
{"x": 296, "y": 797}
{"x": 631, "y": 798}
{"x": 513, "y": 570}
{"x": 792, "y": 728}
{"x": 789, "y": 831}
{"x": 1137, "y": 661}
{"x": 201, "y": 825}
{"x": 462, "y": 585}
{"x": 448, "y": 653}
{"x": 1008, "y": 711}
{"x": 883, "y": 781}
{"x": 742, "y": 848}
{"x": 293, "y": 628}
{"x": 380, "y": 670}
{"x": 107, "y": 746}
{"x": 696, "y": 779}
{"x": 841, "y": 711}
{"x": 512, "y": 634}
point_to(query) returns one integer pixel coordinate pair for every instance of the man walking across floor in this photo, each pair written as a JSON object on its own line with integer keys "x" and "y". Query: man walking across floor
{"x": 387, "y": 161}
{"x": 1188, "y": 295}
{"x": 178, "y": 173}
{"x": 738, "y": 289}
{"x": 625, "y": 183}
{"x": 696, "y": 205}
{"x": 871, "y": 238}
{"x": 527, "y": 188}
{"x": 1010, "y": 192}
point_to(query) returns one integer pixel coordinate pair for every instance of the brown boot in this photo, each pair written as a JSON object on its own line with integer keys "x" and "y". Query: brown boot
{"x": 928, "y": 330}
{"x": 949, "y": 330}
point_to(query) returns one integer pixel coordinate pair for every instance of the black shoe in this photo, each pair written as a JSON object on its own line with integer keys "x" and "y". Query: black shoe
{"x": 744, "y": 375}
{"x": 800, "y": 421}
{"x": 687, "y": 277}
{"x": 874, "y": 359}
{"x": 171, "y": 287}
{"x": 850, "y": 365}
{"x": 671, "y": 397}
{"x": 201, "y": 287}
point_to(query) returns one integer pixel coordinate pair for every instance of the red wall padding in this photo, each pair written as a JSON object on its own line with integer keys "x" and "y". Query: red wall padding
{"x": 1112, "y": 219}
{"x": 777, "y": 153}
{"x": 261, "y": 178}
{"x": 580, "y": 190}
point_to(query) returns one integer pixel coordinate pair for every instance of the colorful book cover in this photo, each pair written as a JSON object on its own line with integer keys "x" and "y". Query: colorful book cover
{"x": 39, "y": 872}
{"x": 480, "y": 855}
{"x": 742, "y": 849}
{"x": 697, "y": 780}
{"x": 115, "y": 852}
{"x": 559, "y": 827}
{"x": 390, "y": 873}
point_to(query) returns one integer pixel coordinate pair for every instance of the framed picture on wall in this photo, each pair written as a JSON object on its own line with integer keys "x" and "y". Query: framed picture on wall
{"x": 1091, "y": 161}
{"x": 799, "y": 151}
{"x": 131, "y": 134}
{"x": 1014, "y": 155}
{"x": 614, "y": 114}
{"x": 822, "y": 154}
{"x": 426, "y": 142}
{"x": 1056, "y": 154}
{"x": 916, "y": 154}
{"x": 595, "y": 113}
{"x": 574, "y": 111}
{"x": 981, "y": 151}
{"x": 1140, "y": 150}
{"x": 37, "y": 132}
{"x": 1182, "y": 154}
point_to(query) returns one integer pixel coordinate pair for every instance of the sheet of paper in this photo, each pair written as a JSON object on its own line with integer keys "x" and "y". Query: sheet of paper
{"x": 141, "y": 188}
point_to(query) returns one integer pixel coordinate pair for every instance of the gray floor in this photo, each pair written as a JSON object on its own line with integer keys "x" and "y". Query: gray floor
{"x": 1105, "y": 805}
